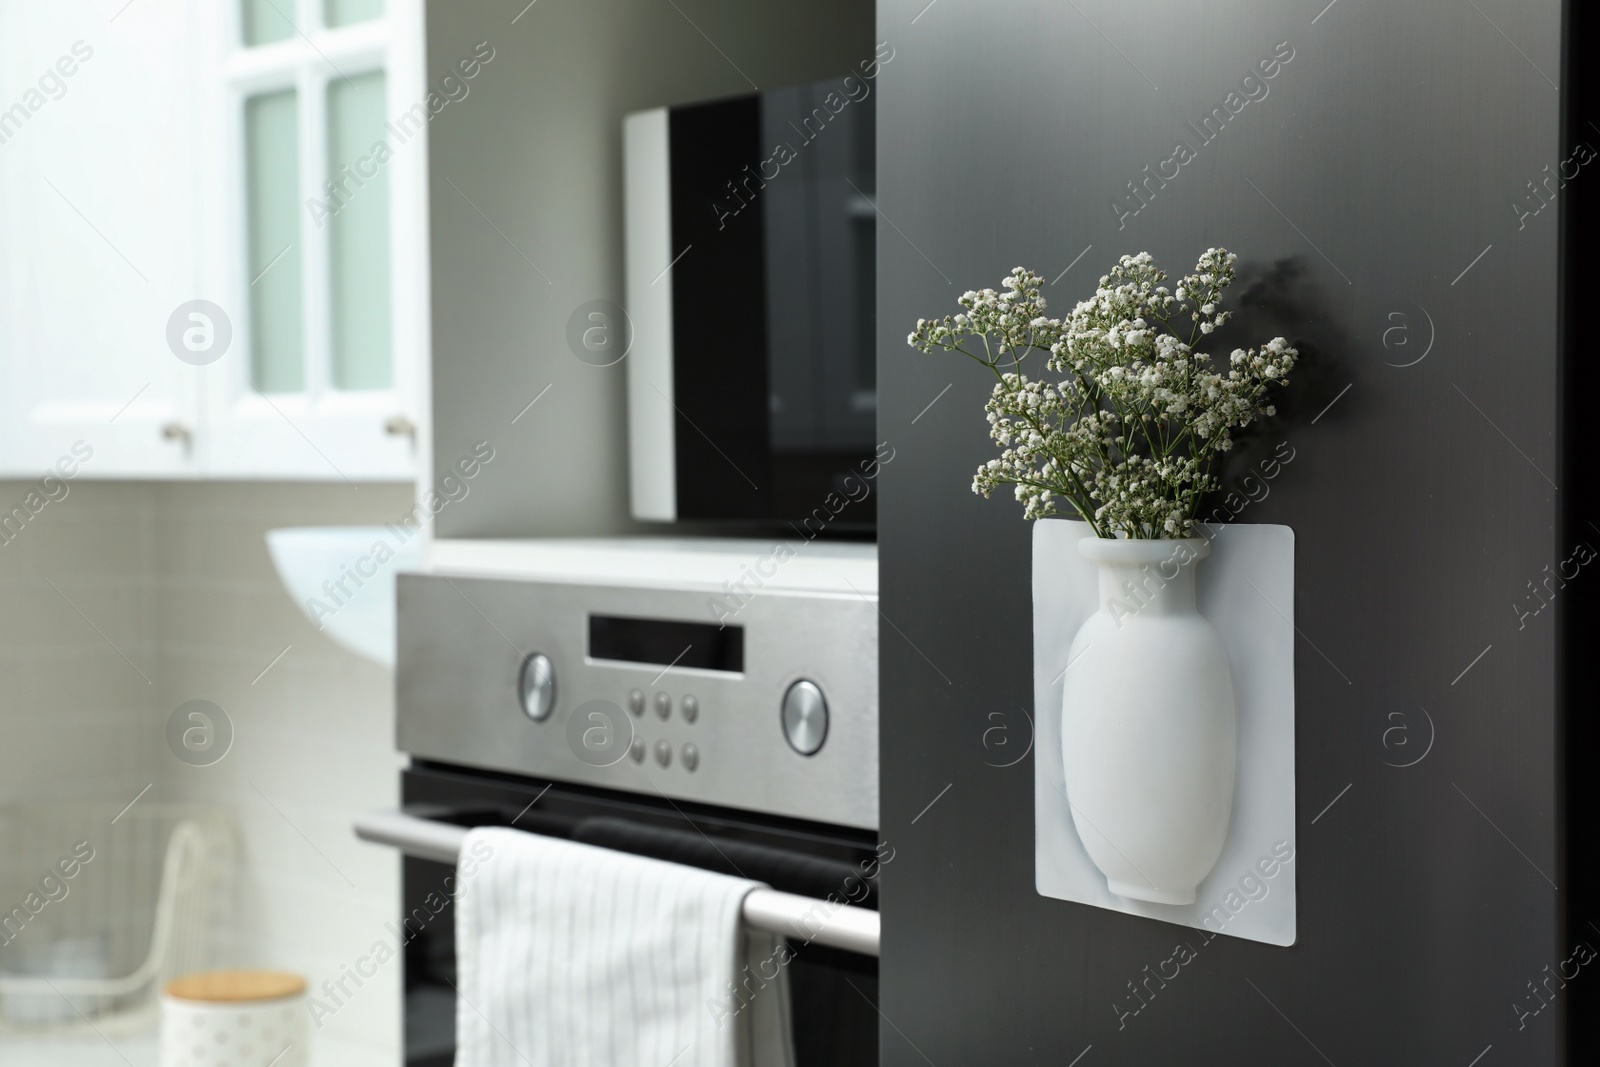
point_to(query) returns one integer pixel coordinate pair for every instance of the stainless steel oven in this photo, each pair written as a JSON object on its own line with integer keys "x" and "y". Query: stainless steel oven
{"x": 586, "y": 690}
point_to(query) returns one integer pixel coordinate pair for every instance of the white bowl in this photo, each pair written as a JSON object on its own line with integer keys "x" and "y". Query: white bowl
{"x": 342, "y": 579}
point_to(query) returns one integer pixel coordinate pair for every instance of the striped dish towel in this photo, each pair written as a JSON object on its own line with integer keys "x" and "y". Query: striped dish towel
{"x": 569, "y": 955}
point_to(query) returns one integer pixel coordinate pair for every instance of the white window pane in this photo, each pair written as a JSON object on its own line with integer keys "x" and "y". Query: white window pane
{"x": 272, "y": 169}
{"x": 358, "y": 156}
{"x": 266, "y": 21}
{"x": 344, "y": 12}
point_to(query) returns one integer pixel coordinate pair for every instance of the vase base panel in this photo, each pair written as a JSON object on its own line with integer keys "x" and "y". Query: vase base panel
{"x": 1150, "y": 894}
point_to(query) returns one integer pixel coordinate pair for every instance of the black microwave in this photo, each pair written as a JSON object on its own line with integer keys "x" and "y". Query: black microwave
{"x": 751, "y": 254}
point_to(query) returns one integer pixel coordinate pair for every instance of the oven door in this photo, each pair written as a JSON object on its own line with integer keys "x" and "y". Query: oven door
{"x": 834, "y": 992}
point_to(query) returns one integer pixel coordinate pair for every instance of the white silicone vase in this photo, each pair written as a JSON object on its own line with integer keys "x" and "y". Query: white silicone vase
{"x": 1148, "y": 723}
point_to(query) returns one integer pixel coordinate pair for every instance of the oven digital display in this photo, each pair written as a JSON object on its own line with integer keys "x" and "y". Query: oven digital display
{"x": 667, "y": 642}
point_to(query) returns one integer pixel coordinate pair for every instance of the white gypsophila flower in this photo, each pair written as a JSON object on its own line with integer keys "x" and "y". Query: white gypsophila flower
{"x": 1126, "y": 438}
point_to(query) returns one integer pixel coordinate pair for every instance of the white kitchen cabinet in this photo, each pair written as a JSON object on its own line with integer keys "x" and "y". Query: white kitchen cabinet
{"x": 95, "y": 184}
{"x": 185, "y": 158}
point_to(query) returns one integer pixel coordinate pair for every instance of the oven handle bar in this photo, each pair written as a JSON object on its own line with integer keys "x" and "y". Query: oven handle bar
{"x": 799, "y": 918}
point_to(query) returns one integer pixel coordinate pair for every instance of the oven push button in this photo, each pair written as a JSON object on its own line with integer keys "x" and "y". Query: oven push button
{"x": 691, "y": 757}
{"x": 537, "y": 686}
{"x": 805, "y": 717}
{"x": 636, "y": 750}
{"x": 636, "y": 702}
{"x": 663, "y": 753}
{"x": 691, "y": 711}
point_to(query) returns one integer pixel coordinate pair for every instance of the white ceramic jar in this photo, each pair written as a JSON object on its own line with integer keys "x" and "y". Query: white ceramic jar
{"x": 1149, "y": 723}
{"x": 234, "y": 1019}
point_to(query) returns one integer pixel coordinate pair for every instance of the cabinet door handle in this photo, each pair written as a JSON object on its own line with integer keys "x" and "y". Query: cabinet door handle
{"x": 400, "y": 426}
{"x": 177, "y": 431}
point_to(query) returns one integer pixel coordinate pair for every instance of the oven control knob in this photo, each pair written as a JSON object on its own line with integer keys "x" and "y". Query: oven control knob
{"x": 537, "y": 686}
{"x": 805, "y": 717}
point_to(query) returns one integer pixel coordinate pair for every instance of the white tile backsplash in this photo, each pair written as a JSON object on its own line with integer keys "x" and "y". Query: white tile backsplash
{"x": 74, "y": 635}
{"x": 173, "y": 580}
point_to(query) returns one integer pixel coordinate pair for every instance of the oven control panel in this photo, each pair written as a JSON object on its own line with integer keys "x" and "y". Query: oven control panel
{"x": 650, "y": 675}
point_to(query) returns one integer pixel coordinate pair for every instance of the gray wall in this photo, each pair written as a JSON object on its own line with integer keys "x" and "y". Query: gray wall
{"x": 1383, "y": 161}
{"x": 536, "y": 147}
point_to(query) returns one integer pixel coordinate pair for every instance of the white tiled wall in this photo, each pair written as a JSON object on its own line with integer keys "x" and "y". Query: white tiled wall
{"x": 177, "y": 579}
{"x": 78, "y": 651}
{"x": 313, "y": 740}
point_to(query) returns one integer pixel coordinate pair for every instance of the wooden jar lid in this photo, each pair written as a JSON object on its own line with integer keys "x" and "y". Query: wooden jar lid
{"x": 236, "y": 986}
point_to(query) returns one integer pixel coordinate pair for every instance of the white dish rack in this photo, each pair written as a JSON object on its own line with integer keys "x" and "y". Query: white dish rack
{"x": 146, "y": 892}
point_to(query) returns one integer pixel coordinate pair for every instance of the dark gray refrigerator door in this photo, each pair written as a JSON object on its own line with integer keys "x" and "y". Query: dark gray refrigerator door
{"x": 1388, "y": 190}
